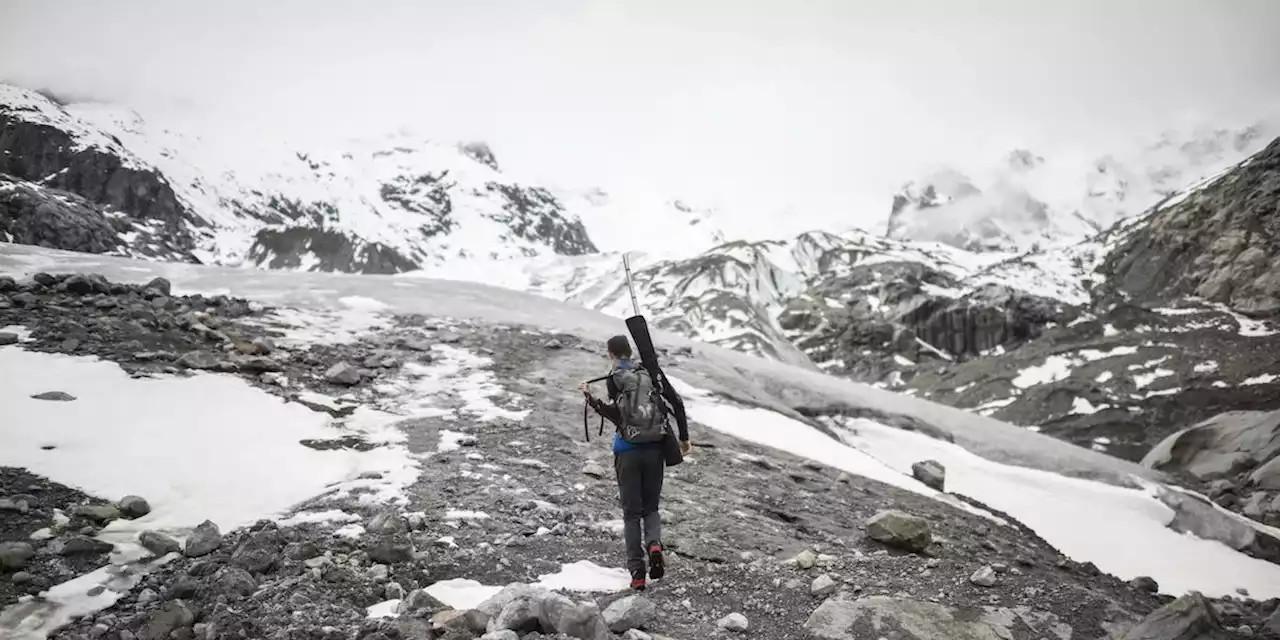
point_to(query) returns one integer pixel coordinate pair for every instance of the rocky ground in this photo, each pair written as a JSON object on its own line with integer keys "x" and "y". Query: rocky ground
{"x": 787, "y": 549}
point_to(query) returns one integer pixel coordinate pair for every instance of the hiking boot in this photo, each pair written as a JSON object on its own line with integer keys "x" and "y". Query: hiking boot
{"x": 657, "y": 568}
{"x": 637, "y": 580}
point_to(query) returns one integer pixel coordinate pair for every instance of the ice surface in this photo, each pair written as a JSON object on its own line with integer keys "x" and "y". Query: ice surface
{"x": 585, "y": 575}
{"x": 206, "y": 447}
{"x": 1120, "y": 530}
{"x": 769, "y": 384}
{"x": 462, "y": 593}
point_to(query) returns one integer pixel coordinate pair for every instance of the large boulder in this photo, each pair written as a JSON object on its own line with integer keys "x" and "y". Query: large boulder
{"x": 843, "y": 617}
{"x": 1187, "y": 618}
{"x": 1221, "y": 446}
{"x": 900, "y": 530}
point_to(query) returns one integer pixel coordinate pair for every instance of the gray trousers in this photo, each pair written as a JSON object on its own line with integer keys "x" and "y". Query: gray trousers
{"x": 639, "y": 474}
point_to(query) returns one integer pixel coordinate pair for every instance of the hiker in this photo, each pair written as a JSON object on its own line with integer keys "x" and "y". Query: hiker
{"x": 638, "y": 460}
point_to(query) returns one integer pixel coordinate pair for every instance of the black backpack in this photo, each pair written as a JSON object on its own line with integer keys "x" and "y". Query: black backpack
{"x": 644, "y": 413}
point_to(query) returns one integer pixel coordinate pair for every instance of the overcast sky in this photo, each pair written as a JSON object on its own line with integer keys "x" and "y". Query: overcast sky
{"x": 820, "y": 107}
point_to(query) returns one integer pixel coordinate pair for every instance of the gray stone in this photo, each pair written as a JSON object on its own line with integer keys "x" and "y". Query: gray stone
{"x": 931, "y": 473}
{"x": 420, "y": 604}
{"x": 343, "y": 373}
{"x": 259, "y": 551}
{"x": 900, "y": 530}
{"x": 594, "y": 469}
{"x": 823, "y": 585}
{"x": 8, "y": 338}
{"x": 235, "y": 581}
{"x": 100, "y": 513}
{"x": 501, "y": 634}
{"x": 160, "y": 286}
{"x": 205, "y": 539}
{"x": 134, "y": 507}
{"x": 806, "y": 559}
{"x": 842, "y": 617}
{"x": 54, "y": 396}
{"x": 1268, "y": 475}
{"x": 198, "y": 360}
{"x": 15, "y": 555}
{"x": 735, "y": 622}
{"x": 521, "y": 614}
{"x": 984, "y": 577}
{"x": 631, "y": 612}
{"x": 559, "y": 614}
{"x": 390, "y": 550}
{"x": 84, "y": 545}
{"x": 1187, "y": 618}
{"x": 174, "y": 616}
{"x": 636, "y": 634}
{"x": 387, "y": 521}
{"x": 1145, "y": 583}
{"x": 158, "y": 543}
{"x": 10, "y": 504}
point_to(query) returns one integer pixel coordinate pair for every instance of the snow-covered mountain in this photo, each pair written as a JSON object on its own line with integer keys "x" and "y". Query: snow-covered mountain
{"x": 1025, "y": 201}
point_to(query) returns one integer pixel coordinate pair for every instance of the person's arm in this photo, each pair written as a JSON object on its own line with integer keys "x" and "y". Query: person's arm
{"x": 607, "y": 409}
{"x": 677, "y": 407}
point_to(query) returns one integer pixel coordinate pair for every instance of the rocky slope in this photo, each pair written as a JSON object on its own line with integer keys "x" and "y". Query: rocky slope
{"x": 789, "y": 549}
{"x": 1182, "y": 328}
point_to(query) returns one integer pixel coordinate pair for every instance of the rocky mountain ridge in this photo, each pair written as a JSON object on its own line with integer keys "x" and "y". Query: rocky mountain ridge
{"x": 381, "y": 206}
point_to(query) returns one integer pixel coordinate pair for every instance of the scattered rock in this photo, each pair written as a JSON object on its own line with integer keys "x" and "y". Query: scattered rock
{"x": 631, "y": 612}
{"x": 1145, "y": 583}
{"x": 594, "y": 469}
{"x": 132, "y": 507}
{"x": 735, "y": 622}
{"x": 806, "y": 559}
{"x": 391, "y": 550}
{"x": 100, "y": 513}
{"x": 204, "y": 539}
{"x": 420, "y": 604}
{"x": 7, "y": 338}
{"x": 823, "y": 585}
{"x": 158, "y": 543}
{"x": 84, "y": 545}
{"x": 984, "y": 577}
{"x": 343, "y": 373}
{"x": 54, "y": 396}
{"x": 1187, "y": 618}
{"x": 931, "y": 473}
{"x": 843, "y": 618}
{"x": 900, "y": 530}
{"x": 163, "y": 623}
{"x": 160, "y": 286}
{"x": 198, "y": 360}
{"x": 15, "y": 555}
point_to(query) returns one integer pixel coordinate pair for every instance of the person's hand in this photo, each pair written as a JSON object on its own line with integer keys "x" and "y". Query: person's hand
{"x": 586, "y": 391}
{"x": 684, "y": 447}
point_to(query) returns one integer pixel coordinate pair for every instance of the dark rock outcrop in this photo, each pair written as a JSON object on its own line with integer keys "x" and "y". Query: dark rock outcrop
{"x": 30, "y": 214}
{"x": 325, "y": 250}
{"x": 1220, "y": 243}
{"x": 35, "y": 150}
{"x": 535, "y": 215}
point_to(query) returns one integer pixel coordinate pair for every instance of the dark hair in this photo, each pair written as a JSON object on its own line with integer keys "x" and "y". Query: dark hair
{"x": 619, "y": 346}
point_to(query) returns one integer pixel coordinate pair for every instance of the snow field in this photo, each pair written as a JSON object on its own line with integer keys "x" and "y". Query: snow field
{"x": 1123, "y": 531}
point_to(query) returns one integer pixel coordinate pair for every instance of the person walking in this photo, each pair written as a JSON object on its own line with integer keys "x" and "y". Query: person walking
{"x": 638, "y": 459}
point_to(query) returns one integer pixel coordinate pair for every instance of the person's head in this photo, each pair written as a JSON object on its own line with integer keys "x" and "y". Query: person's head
{"x": 618, "y": 347}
